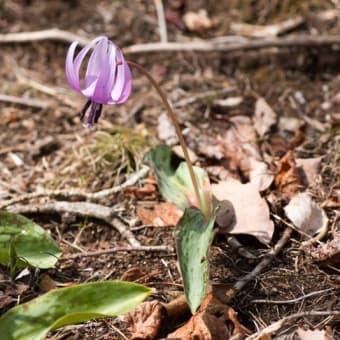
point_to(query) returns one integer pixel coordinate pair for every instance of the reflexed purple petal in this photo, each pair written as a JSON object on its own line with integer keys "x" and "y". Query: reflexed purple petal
{"x": 122, "y": 84}
{"x": 106, "y": 78}
{"x": 95, "y": 63}
{"x": 128, "y": 85}
{"x": 71, "y": 76}
{"x": 81, "y": 55}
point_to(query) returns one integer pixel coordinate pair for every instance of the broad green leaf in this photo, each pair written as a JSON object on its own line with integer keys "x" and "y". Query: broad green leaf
{"x": 66, "y": 306}
{"x": 28, "y": 242}
{"x": 175, "y": 184}
{"x": 193, "y": 239}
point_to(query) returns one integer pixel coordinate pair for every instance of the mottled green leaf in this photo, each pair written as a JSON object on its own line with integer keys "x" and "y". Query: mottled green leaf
{"x": 175, "y": 184}
{"x": 65, "y": 306}
{"x": 26, "y": 241}
{"x": 193, "y": 239}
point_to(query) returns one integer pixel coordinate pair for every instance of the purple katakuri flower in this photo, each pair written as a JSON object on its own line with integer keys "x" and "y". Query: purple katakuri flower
{"x": 107, "y": 78}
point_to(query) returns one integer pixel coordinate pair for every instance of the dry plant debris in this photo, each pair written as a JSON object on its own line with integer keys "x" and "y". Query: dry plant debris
{"x": 257, "y": 97}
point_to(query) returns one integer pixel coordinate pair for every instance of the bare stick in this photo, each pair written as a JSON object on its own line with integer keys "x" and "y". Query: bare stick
{"x": 274, "y": 327}
{"x": 36, "y": 103}
{"x": 81, "y": 209}
{"x": 50, "y": 34}
{"x": 264, "y": 263}
{"x": 118, "y": 249}
{"x": 283, "y": 302}
{"x": 226, "y": 44}
{"x": 161, "y": 21}
{"x": 174, "y": 121}
{"x": 67, "y": 193}
{"x": 242, "y": 45}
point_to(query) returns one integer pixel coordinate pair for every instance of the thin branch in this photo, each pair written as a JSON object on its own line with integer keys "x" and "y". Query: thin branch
{"x": 117, "y": 249}
{"x": 80, "y": 209}
{"x": 267, "y": 259}
{"x": 36, "y": 103}
{"x": 49, "y": 34}
{"x": 283, "y": 302}
{"x": 274, "y": 327}
{"x": 225, "y": 44}
{"x": 67, "y": 193}
{"x": 161, "y": 21}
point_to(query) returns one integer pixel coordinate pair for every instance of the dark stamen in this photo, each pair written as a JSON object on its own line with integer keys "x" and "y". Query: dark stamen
{"x": 85, "y": 108}
{"x": 90, "y": 118}
{"x": 98, "y": 113}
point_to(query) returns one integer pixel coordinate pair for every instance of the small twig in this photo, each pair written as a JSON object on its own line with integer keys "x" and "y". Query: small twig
{"x": 161, "y": 21}
{"x": 202, "y": 96}
{"x": 67, "y": 193}
{"x": 117, "y": 249}
{"x": 50, "y": 34}
{"x": 81, "y": 209}
{"x": 283, "y": 302}
{"x": 217, "y": 44}
{"x": 47, "y": 90}
{"x": 274, "y": 327}
{"x": 36, "y": 103}
{"x": 267, "y": 259}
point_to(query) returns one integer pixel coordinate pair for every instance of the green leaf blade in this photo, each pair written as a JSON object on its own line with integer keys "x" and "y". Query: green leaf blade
{"x": 32, "y": 245}
{"x": 193, "y": 239}
{"x": 65, "y": 306}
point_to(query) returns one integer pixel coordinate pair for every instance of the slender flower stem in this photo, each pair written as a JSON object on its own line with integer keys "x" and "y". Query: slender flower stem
{"x": 174, "y": 121}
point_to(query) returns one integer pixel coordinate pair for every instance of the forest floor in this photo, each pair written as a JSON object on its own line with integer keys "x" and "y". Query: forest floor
{"x": 43, "y": 146}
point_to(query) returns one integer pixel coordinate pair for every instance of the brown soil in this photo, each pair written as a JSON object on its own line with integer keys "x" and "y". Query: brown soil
{"x": 51, "y": 144}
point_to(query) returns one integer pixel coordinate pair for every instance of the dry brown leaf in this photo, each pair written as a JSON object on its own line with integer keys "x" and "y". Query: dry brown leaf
{"x": 147, "y": 192}
{"x": 160, "y": 215}
{"x": 312, "y": 334}
{"x": 197, "y": 21}
{"x": 132, "y": 274}
{"x": 210, "y": 322}
{"x": 251, "y": 210}
{"x": 145, "y": 320}
{"x": 288, "y": 180}
{"x": 306, "y": 214}
{"x": 329, "y": 252}
{"x": 260, "y": 175}
{"x": 46, "y": 283}
{"x": 264, "y": 117}
{"x": 311, "y": 169}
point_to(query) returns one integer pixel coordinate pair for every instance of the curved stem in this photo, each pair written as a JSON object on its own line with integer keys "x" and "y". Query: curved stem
{"x": 174, "y": 121}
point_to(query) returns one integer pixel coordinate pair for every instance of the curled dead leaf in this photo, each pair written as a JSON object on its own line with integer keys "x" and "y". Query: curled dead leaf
{"x": 306, "y": 214}
{"x": 251, "y": 210}
{"x": 264, "y": 117}
{"x": 213, "y": 321}
{"x": 145, "y": 320}
{"x": 160, "y": 215}
{"x": 288, "y": 180}
{"x": 197, "y": 21}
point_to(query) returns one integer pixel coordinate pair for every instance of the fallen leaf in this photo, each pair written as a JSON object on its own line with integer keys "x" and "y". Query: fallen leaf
{"x": 306, "y": 214}
{"x": 132, "y": 274}
{"x": 260, "y": 175}
{"x": 228, "y": 102}
{"x": 329, "y": 252}
{"x": 178, "y": 151}
{"x": 312, "y": 334}
{"x": 147, "y": 192}
{"x": 210, "y": 322}
{"x": 166, "y": 130}
{"x": 46, "y": 283}
{"x": 290, "y": 124}
{"x": 219, "y": 172}
{"x": 264, "y": 117}
{"x": 311, "y": 169}
{"x": 145, "y": 320}
{"x": 160, "y": 215}
{"x": 197, "y": 21}
{"x": 251, "y": 210}
{"x": 288, "y": 180}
